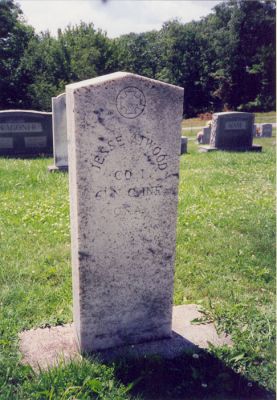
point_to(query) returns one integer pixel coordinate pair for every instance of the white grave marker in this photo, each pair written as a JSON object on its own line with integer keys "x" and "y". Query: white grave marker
{"x": 124, "y": 145}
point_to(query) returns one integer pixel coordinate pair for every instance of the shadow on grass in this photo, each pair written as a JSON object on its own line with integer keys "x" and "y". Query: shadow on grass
{"x": 193, "y": 375}
{"x": 187, "y": 378}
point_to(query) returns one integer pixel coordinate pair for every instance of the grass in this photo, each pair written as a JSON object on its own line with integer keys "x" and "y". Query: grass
{"x": 269, "y": 117}
{"x": 225, "y": 262}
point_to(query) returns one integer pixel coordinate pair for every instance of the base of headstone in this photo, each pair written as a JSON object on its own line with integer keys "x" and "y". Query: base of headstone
{"x": 46, "y": 347}
{"x": 55, "y": 168}
{"x": 207, "y": 149}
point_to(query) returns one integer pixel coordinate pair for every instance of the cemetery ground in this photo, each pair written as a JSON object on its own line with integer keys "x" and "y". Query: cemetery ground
{"x": 225, "y": 263}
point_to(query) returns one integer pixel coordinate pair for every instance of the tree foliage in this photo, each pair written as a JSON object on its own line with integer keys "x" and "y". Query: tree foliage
{"x": 14, "y": 38}
{"x": 226, "y": 60}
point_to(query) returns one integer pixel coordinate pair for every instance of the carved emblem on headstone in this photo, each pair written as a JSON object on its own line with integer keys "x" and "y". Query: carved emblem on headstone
{"x": 130, "y": 102}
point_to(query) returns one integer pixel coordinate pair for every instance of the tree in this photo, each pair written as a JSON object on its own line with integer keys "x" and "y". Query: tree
{"x": 14, "y": 38}
{"x": 139, "y": 53}
{"x": 242, "y": 36}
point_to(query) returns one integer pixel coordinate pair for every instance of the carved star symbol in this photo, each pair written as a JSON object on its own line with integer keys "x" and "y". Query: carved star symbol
{"x": 131, "y": 102}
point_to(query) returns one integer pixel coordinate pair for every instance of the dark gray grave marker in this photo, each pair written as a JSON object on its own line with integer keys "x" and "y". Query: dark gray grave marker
{"x": 24, "y": 132}
{"x": 232, "y": 131}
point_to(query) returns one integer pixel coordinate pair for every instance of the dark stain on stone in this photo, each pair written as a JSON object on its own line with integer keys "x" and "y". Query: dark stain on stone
{"x": 113, "y": 193}
{"x": 149, "y": 159}
{"x": 151, "y": 250}
{"x": 83, "y": 255}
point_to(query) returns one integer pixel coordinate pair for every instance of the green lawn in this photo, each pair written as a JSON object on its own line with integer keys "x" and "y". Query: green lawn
{"x": 225, "y": 262}
{"x": 269, "y": 117}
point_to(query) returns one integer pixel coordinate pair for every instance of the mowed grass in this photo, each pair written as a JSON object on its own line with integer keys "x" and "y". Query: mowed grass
{"x": 225, "y": 262}
{"x": 268, "y": 117}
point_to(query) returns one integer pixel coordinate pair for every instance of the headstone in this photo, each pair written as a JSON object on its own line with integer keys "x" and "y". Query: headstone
{"x": 25, "y": 133}
{"x": 206, "y": 135}
{"x": 59, "y": 134}
{"x": 124, "y": 145}
{"x": 266, "y": 130}
{"x": 232, "y": 131}
{"x": 255, "y": 133}
{"x": 184, "y": 144}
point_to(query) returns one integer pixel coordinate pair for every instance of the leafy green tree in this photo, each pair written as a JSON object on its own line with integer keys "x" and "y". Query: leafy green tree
{"x": 226, "y": 60}
{"x": 242, "y": 36}
{"x": 89, "y": 51}
{"x": 14, "y": 38}
{"x": 45, "y": 67}
{"x": 49, "y": 63}
{"x": 139, "y": 53}
{"x": 181, "y": 63}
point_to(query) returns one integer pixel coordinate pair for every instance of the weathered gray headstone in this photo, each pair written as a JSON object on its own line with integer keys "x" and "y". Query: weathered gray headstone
{"x": 203, "y": 136}
{"x": 266, "y": 130}
{"x": 184, "y": 145}
{"x": 206, "y": 135}
{"x": 255, "y": 132}
{"x": 232, "y": 131}
{"x": 25, "y": 132}
{"x": 124, "y": 145}
{"x": 59, "y": 133}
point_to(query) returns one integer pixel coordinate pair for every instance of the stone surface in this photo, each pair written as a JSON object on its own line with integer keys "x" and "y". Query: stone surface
{"x": 46, "y": 347}
{"x": 124, "y": 145}
{"x": 266, "y": 130}
{"x": 232, "y": 131}
{"x": 184, "y": 144}
{"x": 43, "y": 348}
{"x": 60, "y": 132}
{"x": 25, "y": 132}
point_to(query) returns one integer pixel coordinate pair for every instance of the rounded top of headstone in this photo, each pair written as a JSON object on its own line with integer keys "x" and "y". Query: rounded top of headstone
{"x": 234, "y": 113}
{"x": 59, "y": 96}
{"x": 26, "y": 112}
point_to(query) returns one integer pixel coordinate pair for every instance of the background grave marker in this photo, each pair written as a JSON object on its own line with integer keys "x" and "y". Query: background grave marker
{"x": 60, "y": 145}
{"x": 232, "y": 131}
{"x": 25, "y": 132}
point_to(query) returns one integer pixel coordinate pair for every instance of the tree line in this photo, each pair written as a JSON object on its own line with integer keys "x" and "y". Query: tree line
{"x": 224, "y": 61}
